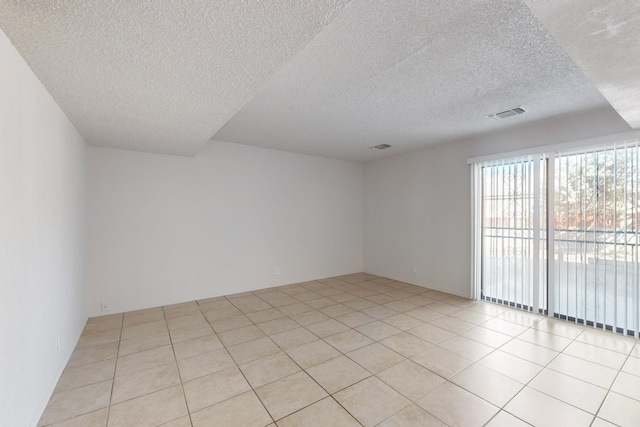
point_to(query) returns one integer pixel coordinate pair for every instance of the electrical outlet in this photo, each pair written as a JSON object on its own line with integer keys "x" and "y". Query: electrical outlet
{"x": 58, "y": 343}
{"x": 415, "y": 270}
{"x": 104, "y": 307}
{"x": 277, "y": 271}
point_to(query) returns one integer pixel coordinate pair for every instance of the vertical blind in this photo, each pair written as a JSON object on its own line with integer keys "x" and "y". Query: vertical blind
{"x": 586, "y": 205}
{"x": 596, "y": 230}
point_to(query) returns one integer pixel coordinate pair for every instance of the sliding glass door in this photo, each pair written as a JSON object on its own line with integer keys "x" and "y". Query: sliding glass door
{"x": 586, "y": 204}
{"x": 596, "y": 222}
{"x": 513, "y": 246}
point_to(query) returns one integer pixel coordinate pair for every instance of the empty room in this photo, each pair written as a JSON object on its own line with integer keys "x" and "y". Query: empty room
{"x": 319, "y": 213}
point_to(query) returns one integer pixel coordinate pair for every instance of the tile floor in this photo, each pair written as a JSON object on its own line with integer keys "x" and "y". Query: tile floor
{"x": 345, "y": 351}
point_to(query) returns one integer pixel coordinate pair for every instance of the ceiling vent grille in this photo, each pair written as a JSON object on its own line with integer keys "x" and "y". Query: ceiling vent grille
{"x": 506, "y": 113}
{"x": 381, "y": 146}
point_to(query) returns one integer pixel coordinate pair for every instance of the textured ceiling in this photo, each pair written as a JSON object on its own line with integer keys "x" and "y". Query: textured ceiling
{"x": 410, "y": 74}
{"x": 159, "y": 76}
{"x": 328, "y": 77}
{"x": 603, "y": 38}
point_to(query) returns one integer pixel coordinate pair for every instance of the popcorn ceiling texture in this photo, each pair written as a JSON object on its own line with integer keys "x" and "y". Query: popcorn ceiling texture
{"x": 603, "y": 38}
{"x": 325, "y": 77}
{"x": 158, "y": 76}
{"x": 412, "y": 73}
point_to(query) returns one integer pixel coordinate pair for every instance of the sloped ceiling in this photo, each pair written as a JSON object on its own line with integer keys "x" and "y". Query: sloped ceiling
{"x": 329, "y": 78}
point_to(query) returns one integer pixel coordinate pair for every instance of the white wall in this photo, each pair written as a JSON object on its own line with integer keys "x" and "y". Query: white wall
{"x": 166, "y": 229}
{"x": 41, "y": 240}
{"x": 418, "y": 205}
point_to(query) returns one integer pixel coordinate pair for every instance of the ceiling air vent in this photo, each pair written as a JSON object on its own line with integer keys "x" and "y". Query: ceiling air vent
{"x": 506, "y": 113}
{"x": 381, "y": 146}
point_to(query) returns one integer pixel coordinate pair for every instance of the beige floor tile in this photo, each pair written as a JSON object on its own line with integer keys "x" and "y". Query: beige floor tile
{"x": 229, "y": 323}
{"x": 265, "y": 315}
{"x": 180, "y": 422}
{"x": 185, "y": 321}
{"x": 244, "y": 410}
{"x": 148, "y": 342}
{"x": 406, "y": 344}
{"x": 545, "y": 339}
{"x": 139, "y": 319}
{"x": 93, "y": 326}
{"x": 326, "y": 412}
{"x": 86, "y": 374}
{"x": 191, "y": 332}
{"x": 628, "y": 385}
{"x": 327, "y": 327}
{"x": 410, "y": 379}
{"x": 84, "y": 356}
{"x": 371, "y": 401}
{"x": 511, "y": 366}
{"x": 402, "y": 321}
{"x": 253, "y": 306}
{"x": 636, "y": 351}
{"x": 144, "y": 329}
{"x": 313, "y": 353}
{"x": 457, "y": 407}
{"x": 212, "y": 304}
{"x": 99, "y": 338}
{"x": 378, "y": 330}
{"x": 520, "y": 317}
{"x": 286, "y": 300}
{"x": 584, "y": 370}
{"x": 182, "y": 309}
{"x": 221, "y": 313}
{"x": 453, "y": 324}
{"x": 381, "y": 299}
{"x": 360, "y": 303}
{"x": 278, "y": 325}
{"x": 602, "y": 356}
{"x": 441, "y": 361}
{"x": 444, "y": 308}
{"x": 632, "y": 366}
{"x": 466, "y": 347}
{"x": 375, "y": 357}
{"x": 599, "y": 422}
{"x": 214, "y": 388}
{"x": 77, "y": 401}
{"x": 144, "y": 382}
{"x": 348, "y": 340}
{"x": 504, "y": 327}
{"x": 354, "y": 319}
{"x": 289, "y": 394}
{"x": 431, "y": 333}
{"x": 608, "y": 340}
{"x": 379, "y": 312}
{"x": 412, "y": 416}
{"x": 196, "y": 346}
{"x": 424, "y": 314}
{"x": 505, "y": 419}
{"x": 295, "y": 308}
{"x": 309, "y": 317}
{"x": 268, "y": 369}
{"x": 531, "y": 352}
{"x": 92, "y": 419}
{"x": 149, "y": 410}
{"x": 321, "y": 302}
{"x": 471, "y": 316}
{"x": 336, "y": 310}
{"x": 541, "y": 410}
{"x": 205, "y": 364}
{"x": 144, "y": 360}
{"x": 401, "y": 306}
{"x": 493, "y": 387}
{"x": 240, "y": 335}
{"x": 293, "y": 338}
{"x": 487, "y": 336}
{"x": 253, "y": 350}
{"x": 336, "y": 374}
{"x": 559, "y": 327}
{"x": 620, "y": 410}
{"x": 580, "y": 394}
